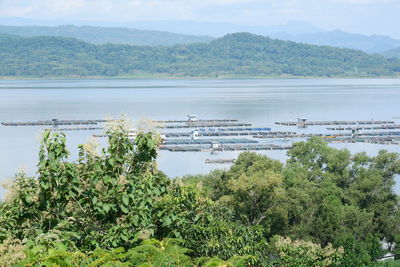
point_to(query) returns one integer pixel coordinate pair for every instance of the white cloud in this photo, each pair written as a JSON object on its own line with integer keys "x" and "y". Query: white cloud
{"x": 351, "y": 15}
{"x": 368, "y": 2}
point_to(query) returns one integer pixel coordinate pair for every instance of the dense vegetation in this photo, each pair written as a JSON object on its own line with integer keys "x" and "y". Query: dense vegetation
{"x": 393, "y": 53}
{"x": 324, "y": 207}
{"x": 240, "y": 54}
{"x": 338, "y": 38}
{"x": 104, "y": 35}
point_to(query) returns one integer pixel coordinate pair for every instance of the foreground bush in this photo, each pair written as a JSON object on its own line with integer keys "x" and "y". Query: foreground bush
{"x": 298, "y": 253}
{"x": 111, "y": 206}
{"x": 150, "y": 253}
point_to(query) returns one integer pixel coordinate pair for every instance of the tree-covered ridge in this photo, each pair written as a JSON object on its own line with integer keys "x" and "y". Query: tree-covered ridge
{"x": 395, "y": 52}
{"x": 323, "y": 207}
{"x": 240, "y": 54}
{"x": 338, "y": 38}
{"x": 104, "y": 35}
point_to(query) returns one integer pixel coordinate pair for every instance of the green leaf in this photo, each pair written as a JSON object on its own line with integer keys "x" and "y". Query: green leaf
{"x": 167, "y": 221}
{"x": 106, "y": 207}
{"x": 135, "y": 220}
{"x": 125, "y": 200}
{"x": 124, "y": 209}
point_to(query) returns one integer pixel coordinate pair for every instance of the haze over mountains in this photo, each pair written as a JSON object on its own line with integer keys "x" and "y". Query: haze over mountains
{"x": 103, "y": 35}
{"x": 182, "y": 32}
{"x": 215, "y": 29}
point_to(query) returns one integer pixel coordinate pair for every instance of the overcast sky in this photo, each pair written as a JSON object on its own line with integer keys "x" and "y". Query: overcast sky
{"x": 358, "y": 16}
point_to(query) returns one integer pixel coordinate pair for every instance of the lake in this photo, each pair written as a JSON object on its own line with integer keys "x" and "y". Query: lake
{"x": 257, "y": 101}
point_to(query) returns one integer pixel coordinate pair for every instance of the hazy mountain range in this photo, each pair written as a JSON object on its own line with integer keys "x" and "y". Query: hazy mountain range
{"x": 103, "y": 35}
{"x": 215, "y": 29}
{"x": 182, "y": 32}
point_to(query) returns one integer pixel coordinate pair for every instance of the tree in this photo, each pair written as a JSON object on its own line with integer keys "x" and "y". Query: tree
{"x": 298, "y": 253}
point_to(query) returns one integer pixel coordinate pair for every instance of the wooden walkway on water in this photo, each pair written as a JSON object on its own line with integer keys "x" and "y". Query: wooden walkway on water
{"x": 56, "y": 129}
{"x": 371, "y": 140}
{"x": 201, "y": 121}
{"x": 220, "y": 161}
{"x": 207, "y": 141}
{"x": 238, "y": 147}
{"x": 238, "y": 129}
{"x": 356, "y": 128}
{"x": 54, "y": 122}
{"x": 315, "y": 123}
{"x": 203, "y": 125}
{"x": 327, "y": 136}
{"x": 227, "y": 133}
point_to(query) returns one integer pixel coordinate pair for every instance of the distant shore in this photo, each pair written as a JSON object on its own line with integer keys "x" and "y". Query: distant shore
{"x": 167, "y": 77}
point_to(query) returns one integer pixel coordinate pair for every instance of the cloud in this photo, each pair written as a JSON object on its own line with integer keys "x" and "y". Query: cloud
{"x": 364, "y": 16}
{"x": 368, "y": 2}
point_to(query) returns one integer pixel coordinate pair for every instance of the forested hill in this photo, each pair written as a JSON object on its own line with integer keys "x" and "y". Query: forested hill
{"x": 393, "y": 53}
{"x": 104, "y": 35}
{"x": 338, "y": 38}
{"x": 240, "y": 54}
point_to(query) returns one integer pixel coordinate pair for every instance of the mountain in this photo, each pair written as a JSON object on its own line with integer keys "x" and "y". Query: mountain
{"x": 337, "y": 38}
{"x": 240, "y": 54}
{"x": 103, "y": 35}
{"x": 218, "y": 29}
{"x": 297, "y": 31}
{"x": 395, "y": 52}
{"x": 215, "y": 29}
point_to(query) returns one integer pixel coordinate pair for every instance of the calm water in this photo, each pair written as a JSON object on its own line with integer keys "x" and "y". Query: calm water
{"x": 260, "y": 102}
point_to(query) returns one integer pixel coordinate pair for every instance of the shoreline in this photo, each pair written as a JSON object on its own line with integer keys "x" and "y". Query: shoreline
{"x": 160, "y": 77}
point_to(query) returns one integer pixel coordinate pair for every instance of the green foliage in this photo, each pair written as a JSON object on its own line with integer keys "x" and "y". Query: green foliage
{"x": 387, "y": 263}
{"x": 397, "y": 247}
{"x": 395, "y": 52}
{"x": 252, "y": 187}
{"x": 112, "y": 208}
{"x": 322, "y": 194}
{"x": 151, "y": 252}
{"x": 104, "y": 199}
{"x": 112, "y": 199}
{"x": 240, "y": 54}
{"x": 11, "y": 252}
{"x": 359, "y": 252}
{"x": 347, "y": 193}
{"x": 299, "y": 253}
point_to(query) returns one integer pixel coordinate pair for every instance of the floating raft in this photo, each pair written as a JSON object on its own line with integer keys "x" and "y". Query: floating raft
{"x": 187, "y": 121}
{"x": 381, "y": 127}
{"x": 372, "y": 140}
{"x": 223, "y": 133}
{"x": 54, "y": 122}
{"x": 284, "y": 136}
{"x": 75, "y": 129}
{"x": 219, "y": 161}
{"x": 312, "y": 123}
{"x": 207, "y": 141}
{"x": 239, "y": 147}
{"x": 330, "y": 136}
{"x": 204, "y": 125}
{"x": 377, "y": 133}
{"x": 233, "y": 129}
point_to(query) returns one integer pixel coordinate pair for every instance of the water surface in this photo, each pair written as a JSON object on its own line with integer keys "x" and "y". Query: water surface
{"x": 258, "y": 101}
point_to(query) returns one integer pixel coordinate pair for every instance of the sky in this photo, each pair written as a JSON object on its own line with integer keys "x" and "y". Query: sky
{"x": 356, "y": 16}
